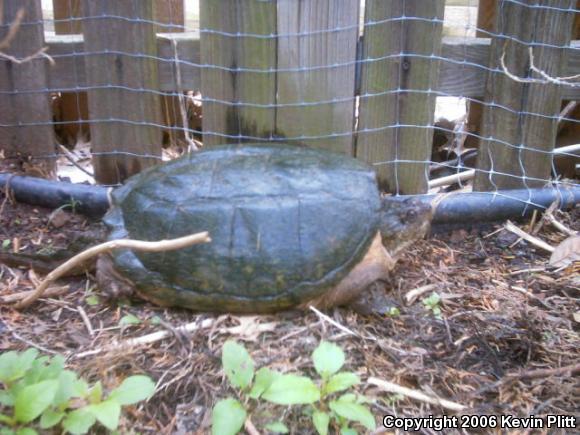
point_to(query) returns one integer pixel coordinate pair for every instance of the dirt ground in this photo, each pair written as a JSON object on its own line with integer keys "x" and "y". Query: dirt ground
{"x": 507, "y": 342}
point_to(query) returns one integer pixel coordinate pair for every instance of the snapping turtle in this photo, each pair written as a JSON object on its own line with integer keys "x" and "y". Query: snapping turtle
{"x": 289, "y": 226}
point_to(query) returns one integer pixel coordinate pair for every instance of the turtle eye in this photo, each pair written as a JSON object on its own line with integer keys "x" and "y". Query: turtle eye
{"x": 411, "y": 215}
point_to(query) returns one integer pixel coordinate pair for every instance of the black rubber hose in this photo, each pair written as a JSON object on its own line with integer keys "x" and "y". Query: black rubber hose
{"x": 478, "y": 207}
{"x": 89, "y": 200}
{"x": 454, "y": 209}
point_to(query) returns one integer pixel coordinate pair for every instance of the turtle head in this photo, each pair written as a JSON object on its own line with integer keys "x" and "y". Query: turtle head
{"x": 403, "y": 222}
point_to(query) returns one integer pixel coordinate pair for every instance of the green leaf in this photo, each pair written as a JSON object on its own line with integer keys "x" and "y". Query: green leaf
{"x": 14, "y": 365}
{"x": 155, "y": 320}
{"x": 8, "y": 364}
{"x": 66, "y": 387}
{"x": 6, "y": 431}
{"x": 328, "y": 358}
{"x": 79, "y": 421}
{"x": 54, "y": 367}
{"x": 341, "y": 381}
{"x": 237, "y": 364}
{"x": 348, "y": 397}
{"x": 129, "y": 319}
{"x": 6, "y": 243}
{"x": 26, "y": 431}
{"x": 6, "y": 398}
{"x": 437, "y": 312}
{"x": 80, "y": 388}
{"x": 277, "y": 427}
{"x": 26, "y": 359}
{"x": 43, "y": 369}
{"x": 432, "y": 300}
{"x": 345, "y": 430}
{"x": 107, "y": 413}
{"x": 96, "y": 393}
{"x": 33, "y": 399}
{"x": 6, "y": 419}
{"x": 92, "y": 300}
{"x": 292, "y": 390}
{"x": 133, "y": 390}
{"x": 321, "y": 420}
{"x": 50, "y": 418}
{"x": 263, "y": 380}
{"x": 354, "y": 412}
{"x": 228, "y": 417}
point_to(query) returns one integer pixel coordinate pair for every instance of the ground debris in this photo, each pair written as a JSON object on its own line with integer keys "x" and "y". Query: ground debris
{"x": 506, "y": 341}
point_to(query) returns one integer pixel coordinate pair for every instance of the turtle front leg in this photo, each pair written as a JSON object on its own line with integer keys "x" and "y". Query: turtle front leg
{"x": 375, "y": 265}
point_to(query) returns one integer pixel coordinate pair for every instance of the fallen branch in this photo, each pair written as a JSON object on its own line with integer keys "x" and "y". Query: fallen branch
{"x": 452, "y": 179}
{"x": 572, "y": 369}
{"x": 325, "y": 318}
{"x": 71, "y": 158}
{"x": 48, "y": 293}
{"x": 533, "y": 240}
{"x": 412, "y": 295}
{"x": 549, "y": 216}
{"x": 147, "y": 339}
{"x": 139, "y": 245}
{"x": 414, "y": 394}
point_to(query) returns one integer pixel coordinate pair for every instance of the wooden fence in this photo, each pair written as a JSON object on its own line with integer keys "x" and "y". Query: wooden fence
{"x": 367, "y": 91}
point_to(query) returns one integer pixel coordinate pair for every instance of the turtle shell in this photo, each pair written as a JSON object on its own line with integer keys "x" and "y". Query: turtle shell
{"x": 286, "y": 223}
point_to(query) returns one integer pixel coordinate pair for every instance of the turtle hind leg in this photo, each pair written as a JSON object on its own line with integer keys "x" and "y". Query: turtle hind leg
{"x": 112, "y": 284}
{"x": 375, "y": 265}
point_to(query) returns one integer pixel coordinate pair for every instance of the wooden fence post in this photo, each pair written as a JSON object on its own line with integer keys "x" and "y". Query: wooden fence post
{"x": 224, "y": 54}
{"x": 396, "y": 108}
{"x": 120, "y": 64}
{"x": 278, "y": 96}
{"x": 520, "y": 118}
{"x": 332, "y": 43}
{"x": 24, "y": 97}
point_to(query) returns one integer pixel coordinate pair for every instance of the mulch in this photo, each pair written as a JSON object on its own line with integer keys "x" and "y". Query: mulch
{"x": 507, "y": 341}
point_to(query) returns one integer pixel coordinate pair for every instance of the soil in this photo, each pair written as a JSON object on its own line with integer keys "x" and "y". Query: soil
{"x": 506, "y": 341}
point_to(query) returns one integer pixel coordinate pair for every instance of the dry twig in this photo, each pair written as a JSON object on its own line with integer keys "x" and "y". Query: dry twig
{"x": 148, "y": 339}
{"x": 412, "y": 295}
{"x": 139, "y": 245}
{"x": 565, "y": 81}
{"x": 452, "y": 179}
{"x": 529, "y": 238}
{"x": 414, "y": 394}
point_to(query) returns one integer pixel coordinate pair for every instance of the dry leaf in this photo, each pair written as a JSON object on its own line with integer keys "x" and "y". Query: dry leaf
{"x": 576, "y": 316}
{"x": 250, "y": 328}
{"x": 566, "y": 252}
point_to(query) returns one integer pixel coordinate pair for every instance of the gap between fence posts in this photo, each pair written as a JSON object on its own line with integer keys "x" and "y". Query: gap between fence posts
{"x": 70, "y": 107}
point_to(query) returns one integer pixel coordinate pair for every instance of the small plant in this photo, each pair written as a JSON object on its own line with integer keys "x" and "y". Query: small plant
{"x": 39, "y": 393}
{"x": 230, "y": 414}
{"x": 433, "y": 303}
{"x": 72, "y": 205}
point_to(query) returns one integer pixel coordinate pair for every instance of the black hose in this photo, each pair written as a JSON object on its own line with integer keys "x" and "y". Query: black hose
{"x": 479, "y": 207}
{"x": 458, "y": 208}
{"x": 89, "y": 200}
